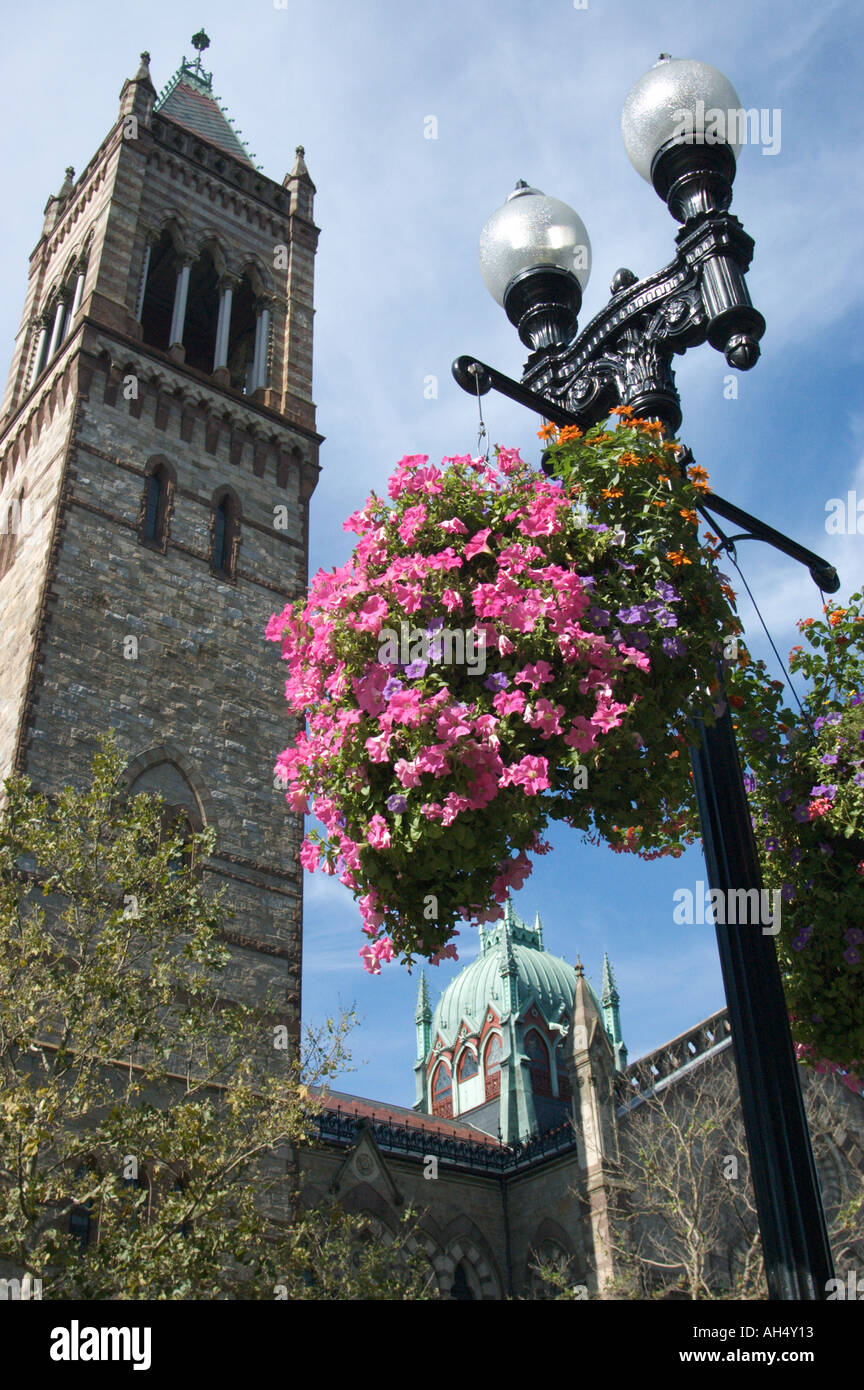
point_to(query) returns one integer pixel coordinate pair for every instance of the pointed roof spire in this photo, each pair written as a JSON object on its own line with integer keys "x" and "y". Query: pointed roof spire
{"x": 538, "y": 927}
{"x": 424, "y": 1011}
{"x": 609, "y": 992}
{"x": 610, "y": 1000}
{"x": 188, "y": 99}
{"x": 299, "y": 171}
{"x": 580, "y": 969}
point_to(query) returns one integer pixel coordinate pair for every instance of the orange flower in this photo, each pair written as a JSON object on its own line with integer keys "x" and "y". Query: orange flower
{"x": 650, "y": 426}
{"x": 569, "y": 432}
{"x": 658, "y": 502}
{"x": 671, "y": 444}
{"x": 628, "y": 460}
{"x": 676, "y": 754}
{"x": 689, "y": 515}
{"x": 547, "y": 432}
{"x": 729, "y": 593}
{"x": 602, "y": 437}
{"x": 662, "y": 477}
{"x": 678, "y": 557}
{"x": 837, "y": 616}
{"x": 696, "y": 471}
{"x": 623, "y": 410}
{"x": 612, "y": 492}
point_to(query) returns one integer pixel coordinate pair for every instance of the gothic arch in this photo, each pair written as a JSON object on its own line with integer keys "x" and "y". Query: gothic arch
{"x": 257, "y": 276}
{"x": 209, "y": 241}
{"x": 154, "y": 517}
{"x": 166, "y": 770}
{"x": 465, "y": 1245}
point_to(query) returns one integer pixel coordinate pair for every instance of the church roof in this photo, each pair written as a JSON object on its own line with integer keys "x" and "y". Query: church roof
{"x": 511, "y": 953}
{"x": 188, "y": 99}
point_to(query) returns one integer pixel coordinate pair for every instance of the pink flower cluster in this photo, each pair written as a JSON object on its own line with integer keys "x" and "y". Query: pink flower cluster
{"x": 433, "y": 785}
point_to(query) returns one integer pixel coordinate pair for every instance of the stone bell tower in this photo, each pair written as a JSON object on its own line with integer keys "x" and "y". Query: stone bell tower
{"x": 157, "y": 455}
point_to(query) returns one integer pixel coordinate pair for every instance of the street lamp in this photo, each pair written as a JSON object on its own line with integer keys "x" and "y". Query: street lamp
{"x": 682, "y": 123}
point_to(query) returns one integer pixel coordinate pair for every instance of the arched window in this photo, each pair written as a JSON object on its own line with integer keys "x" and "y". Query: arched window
{"x": 467, "y": 1065}
{"x": 156, "y": 506}
{"x": 492, "y": 1066}
{"x": 442, "y": 1091}
{"x": 158, "y": 304}
{"x": 202, "y": 314}
{"x": 241, "y": 340}
{"x": 224, "y": 535}
{"x": 538, "y": 1061}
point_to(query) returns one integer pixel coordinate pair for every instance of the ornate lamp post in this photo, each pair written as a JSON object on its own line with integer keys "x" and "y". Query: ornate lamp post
{"x": 680, "y": 128}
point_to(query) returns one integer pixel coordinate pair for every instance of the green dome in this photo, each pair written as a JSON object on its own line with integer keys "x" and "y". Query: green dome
{"x": 511, "y": 953}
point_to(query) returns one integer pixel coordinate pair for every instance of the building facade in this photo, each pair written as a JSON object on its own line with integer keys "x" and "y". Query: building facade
{"x": 158, "y": 451}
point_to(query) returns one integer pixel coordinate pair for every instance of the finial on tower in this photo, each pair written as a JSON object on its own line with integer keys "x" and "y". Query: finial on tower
{"x": 143, "y": 72}
{"x": 580, "y": 969}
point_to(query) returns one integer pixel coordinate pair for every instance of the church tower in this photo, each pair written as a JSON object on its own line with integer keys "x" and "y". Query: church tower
{"x": 158, "y": 451}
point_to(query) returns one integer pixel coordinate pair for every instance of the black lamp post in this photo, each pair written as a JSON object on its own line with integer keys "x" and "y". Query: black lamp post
{"x": 680, "y": 128}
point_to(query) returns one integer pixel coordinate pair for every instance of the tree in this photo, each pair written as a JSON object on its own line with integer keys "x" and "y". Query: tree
{"x": 148, "y": 1124}
{"x": 686, "y": 1224}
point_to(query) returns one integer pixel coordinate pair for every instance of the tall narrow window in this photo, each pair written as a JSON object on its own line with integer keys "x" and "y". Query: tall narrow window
{"x": 442, "y": 1092}
{"x": 157, "y": 303}
{"x": 224, "y": 535}
{"x": 493, "y": 1067}
{"x": 153, "y": 506}
{"x": 156, "y": 506}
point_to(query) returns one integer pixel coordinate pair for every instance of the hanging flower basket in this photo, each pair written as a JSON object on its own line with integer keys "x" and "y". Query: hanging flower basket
{"x": 501, "y": 649}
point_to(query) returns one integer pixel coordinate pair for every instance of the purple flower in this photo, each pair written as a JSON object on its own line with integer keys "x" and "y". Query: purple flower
{"x": 497, "y": 681}
{"x": 414, "y": 670}
{"x": 666, "y": 618}
{"x": 599, "y": 616}
{"x": 771, "y": 845}
{"x": 785, "y": 794}
{"x": 856, "y": 699}
{"x": 852, "y": 955}
{"x": 637, "y": 614}
{"x": 397, "y": 803}
{"x": 828, "y": 759}
{"x": 597, "y": 526}
{"x": 795, "y": 856}
{"x": 673, "y": 646}
{"x": 641, "y": 641}
{"x": 434, "y": 625}
{"x": 749, "y": 782}
{"x": 802, "y": 938}
{"x": 787, "y": 892}
{"x": 827, "y": 791}
{"x": 858, "y": 779}
{"x": 802, "y": 813}
{"x": 854, "y": 935}
{"x": 760, "y": 735}
{"x": 666, "y": 592}
{"x": 391, "y": 688}
{"x": 622, "y": 566}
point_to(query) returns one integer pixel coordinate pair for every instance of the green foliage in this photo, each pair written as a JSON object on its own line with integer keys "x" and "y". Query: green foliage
{"x": 805, "y": 781}
{"x": 137, "y": 1102}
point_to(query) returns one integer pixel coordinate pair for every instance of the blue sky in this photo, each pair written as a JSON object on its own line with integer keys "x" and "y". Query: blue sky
{"x": 529, "y": 91}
